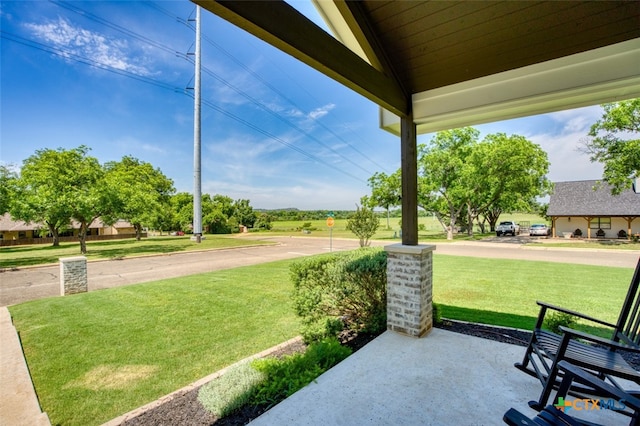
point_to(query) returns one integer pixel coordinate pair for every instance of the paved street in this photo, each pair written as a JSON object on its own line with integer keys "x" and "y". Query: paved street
{"x": 20, "y": 285}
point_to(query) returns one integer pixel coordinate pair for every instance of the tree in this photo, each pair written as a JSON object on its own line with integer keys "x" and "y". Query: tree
{"x": 182, "y": 208}
{"x": 363, "y": 223}
{"x": 507, "y": 174}
{"x": 143, "y": 192}
{"x": 56, "y": 186}
{"x": 263, "y": 221}
{"x": 91, "y": 195}
{"x": 44, "y": 189}
{"x": 243, "y": 213}
{"x": 620, "y": 157}
{"x": 7, "y": 187}
{"x": 442, "y": 168}
{"x": 386, "y": 191}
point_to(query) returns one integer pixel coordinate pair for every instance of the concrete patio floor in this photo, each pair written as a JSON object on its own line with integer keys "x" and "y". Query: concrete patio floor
{"x": 445, "y": 378}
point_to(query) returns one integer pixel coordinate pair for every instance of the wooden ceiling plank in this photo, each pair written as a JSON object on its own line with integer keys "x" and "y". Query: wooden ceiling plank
{"x": 307, "y": 42}
{"x": 521, "y": 50}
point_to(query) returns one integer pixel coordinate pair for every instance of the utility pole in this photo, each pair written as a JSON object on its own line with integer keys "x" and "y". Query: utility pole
{"x": 197, "y": 173}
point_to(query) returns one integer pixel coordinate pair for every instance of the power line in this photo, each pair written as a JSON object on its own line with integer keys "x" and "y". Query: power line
{"x": 276, "y": 138}
{"x": 282, "y": 95}
{"x": 69, "y": 55}
{"x": 80, "y": 59}
{"x": 256, "y": 102}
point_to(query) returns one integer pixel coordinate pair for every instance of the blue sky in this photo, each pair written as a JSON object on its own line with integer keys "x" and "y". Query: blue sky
{"x": 287, "y": 137}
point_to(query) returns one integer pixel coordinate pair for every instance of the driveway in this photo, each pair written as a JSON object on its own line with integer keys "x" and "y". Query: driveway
{"x": 17, "y": 286}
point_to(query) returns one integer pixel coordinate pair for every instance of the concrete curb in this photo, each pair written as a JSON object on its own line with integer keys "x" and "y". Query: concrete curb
{"x": 18, "y": 400}
{"x": 138, "y": 411}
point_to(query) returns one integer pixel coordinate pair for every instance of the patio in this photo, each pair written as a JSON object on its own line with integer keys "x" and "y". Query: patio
{"x": 445, "y": 378}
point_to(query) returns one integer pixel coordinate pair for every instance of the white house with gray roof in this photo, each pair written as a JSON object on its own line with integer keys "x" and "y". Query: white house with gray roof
{"x": 588, "y": 209}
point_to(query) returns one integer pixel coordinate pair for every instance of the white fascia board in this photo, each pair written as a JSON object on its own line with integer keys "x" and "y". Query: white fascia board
{"x": 339, "y": 27}
{"x": 608, "y": 74}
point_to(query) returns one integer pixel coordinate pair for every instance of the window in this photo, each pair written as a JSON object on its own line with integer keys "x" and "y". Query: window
{"x": 601, "y": 223}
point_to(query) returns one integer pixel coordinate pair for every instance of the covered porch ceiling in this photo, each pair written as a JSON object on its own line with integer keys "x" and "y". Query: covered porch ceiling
{"x": 456, "y": 63}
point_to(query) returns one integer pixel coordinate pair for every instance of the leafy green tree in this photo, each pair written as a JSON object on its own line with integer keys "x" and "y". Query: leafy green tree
{"x": 443, "y": 167}
{"x": 45, "y": 188}
{"x": 92, "y": 196}
{"x": 386, "y": 191}
{"x": 7, "y": 187}
{"x": 614, "y": 143}
{"x": 143, "y": 191}
{"x": 507, "y": 173}
{"x": 182, "y": 209}
{"x": 217, "y": 222}
{"x": 243, "y": 213}
{"x": 264, "y": 221}
{"x": 363, "y": 223}
{"x": 224, "y": 204}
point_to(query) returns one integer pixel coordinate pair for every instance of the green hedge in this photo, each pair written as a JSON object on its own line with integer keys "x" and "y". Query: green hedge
{"x": 337, "y": 291}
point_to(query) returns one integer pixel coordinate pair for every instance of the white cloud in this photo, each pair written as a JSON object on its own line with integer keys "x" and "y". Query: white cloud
{"x": 73, "y": 41}
{"x": 563, "y": 144}
{"x": 321, "y": 112}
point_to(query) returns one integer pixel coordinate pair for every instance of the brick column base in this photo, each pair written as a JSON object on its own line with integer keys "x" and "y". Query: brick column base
{"x": 73, "y": 275}
{"x": 409, "y": 289}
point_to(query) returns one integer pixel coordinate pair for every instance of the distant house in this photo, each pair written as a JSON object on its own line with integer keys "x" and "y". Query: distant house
{"x": 588, "y": 209}
{"x": 19, "y": 232}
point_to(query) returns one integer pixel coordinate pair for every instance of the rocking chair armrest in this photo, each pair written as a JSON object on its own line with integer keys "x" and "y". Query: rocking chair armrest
{"x": 597, "y": 339}
{"x": 585, "y": 377}
{"x": 574, "y": 313}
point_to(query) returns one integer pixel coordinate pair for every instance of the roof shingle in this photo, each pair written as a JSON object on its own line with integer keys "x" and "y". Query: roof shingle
{"x": 592, "y": 198}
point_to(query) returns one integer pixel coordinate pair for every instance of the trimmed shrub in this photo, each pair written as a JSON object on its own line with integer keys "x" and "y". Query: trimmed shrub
{"x": 231, "y": 391}
{"x": 436, "y": 314}
{"x": 557, "y": 319}
{"x": 286, "y": 376}
{"x": 341, "y": 291}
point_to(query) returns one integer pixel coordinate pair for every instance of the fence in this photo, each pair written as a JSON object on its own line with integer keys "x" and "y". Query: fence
{"x": 49, "y": 240}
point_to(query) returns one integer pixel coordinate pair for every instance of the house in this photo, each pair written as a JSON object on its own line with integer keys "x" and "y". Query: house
{"x": 588, "y": 209}
{"x": 16, "y": 232}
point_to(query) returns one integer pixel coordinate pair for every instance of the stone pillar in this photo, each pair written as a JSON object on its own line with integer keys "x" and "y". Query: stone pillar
{"x": 73, "y": 275}
{"x": 409, "y": 289}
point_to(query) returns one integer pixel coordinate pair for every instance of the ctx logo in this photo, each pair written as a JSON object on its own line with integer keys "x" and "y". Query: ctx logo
{"x": 585, "y": 404}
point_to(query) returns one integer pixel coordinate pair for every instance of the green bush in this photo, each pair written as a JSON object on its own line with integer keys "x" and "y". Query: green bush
{"x": 231, "y": 391}
{"x": 341, "y": 290}
{"x": 557, "y": 319}
{"x": 436, "y": 314}
{"x": 287, "y": 375}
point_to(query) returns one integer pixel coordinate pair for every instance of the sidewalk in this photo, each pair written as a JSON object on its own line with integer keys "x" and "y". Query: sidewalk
{"x": 18, "y": 401}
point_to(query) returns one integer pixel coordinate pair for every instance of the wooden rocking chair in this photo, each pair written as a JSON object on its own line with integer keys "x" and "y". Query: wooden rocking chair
{"x": 552, "y": 415}
{"x": 598, "y": 355}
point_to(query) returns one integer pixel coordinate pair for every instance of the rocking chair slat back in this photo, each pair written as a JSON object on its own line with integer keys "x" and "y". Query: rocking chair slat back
{"x": 628, "y": 326}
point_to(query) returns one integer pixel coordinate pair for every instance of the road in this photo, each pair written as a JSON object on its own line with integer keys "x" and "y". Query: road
{"x": 17, "y": 286}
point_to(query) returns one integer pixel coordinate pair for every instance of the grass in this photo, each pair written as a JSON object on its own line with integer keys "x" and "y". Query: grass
{"x": 38, "y": 254}
{"x": 430, "y": 227}
{"x": 504, "y": 292}
{"x": 97, "y": 355}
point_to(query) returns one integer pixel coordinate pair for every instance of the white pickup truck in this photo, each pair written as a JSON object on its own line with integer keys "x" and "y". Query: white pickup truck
{"x": 507, "y": 227}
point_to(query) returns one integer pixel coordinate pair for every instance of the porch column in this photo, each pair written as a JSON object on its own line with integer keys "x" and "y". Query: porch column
{"x": 410, "y": 289}
{"x": 409, "y": 171}
{"x": 409, "y": 265}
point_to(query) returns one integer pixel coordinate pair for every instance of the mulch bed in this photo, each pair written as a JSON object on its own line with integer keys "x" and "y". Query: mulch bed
{"x": 185, "y": 409}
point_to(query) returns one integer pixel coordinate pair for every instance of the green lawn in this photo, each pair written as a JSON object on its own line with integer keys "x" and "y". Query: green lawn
{"x": 37, "y": 254}
{"x": 97, "y": 355}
